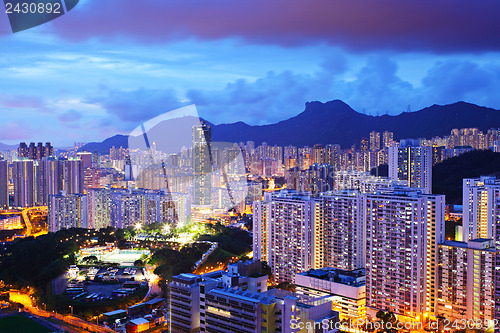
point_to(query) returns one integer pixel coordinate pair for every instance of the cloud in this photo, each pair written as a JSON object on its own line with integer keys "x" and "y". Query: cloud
{"x": 20, "y": 101}
{"x": 375, "y": 89}
{"x": 464, "y": 80}
{"x": 70, "y": 116}
{"x": 136, "y": 105}
{"x": 426, "y": 25}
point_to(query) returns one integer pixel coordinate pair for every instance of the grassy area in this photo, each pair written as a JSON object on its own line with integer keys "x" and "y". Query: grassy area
{"x": 21, "y": 324}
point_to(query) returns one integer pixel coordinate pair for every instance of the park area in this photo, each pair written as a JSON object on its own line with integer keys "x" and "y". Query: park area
{"x": 21, "y": 324}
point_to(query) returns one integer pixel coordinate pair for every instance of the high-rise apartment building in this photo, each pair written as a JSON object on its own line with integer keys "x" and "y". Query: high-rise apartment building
{"x": 342, "y": 230}
{"x": 466, "y": 290}
{"x": 387, "y": 138}
{"x": 295, "y": 231}
{"x": 67, "y": 211}
{"x": 202, "y": 165}
{"x": 92, "y": 178}
{"x": 4, "y": 183}
{"x": 332, "y": 155}
{"x": 413, "y": 163}
{"x": 35, "y": 152}
{"x": 23, "y": 173}
{"x": 403, "y": 228}
{"x": 479, "y": 202}
{"x": 364, "y": 144}
{"x": 121, "y": 208}
{"x": 221, "y": 302}
{"x": 285, "y": 233}
{"x": 374, "y": 141}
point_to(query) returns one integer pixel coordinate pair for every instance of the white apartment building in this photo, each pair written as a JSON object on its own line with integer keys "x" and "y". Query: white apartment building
{"x": 466, "y": 281}
{"x": 403, "y": 228}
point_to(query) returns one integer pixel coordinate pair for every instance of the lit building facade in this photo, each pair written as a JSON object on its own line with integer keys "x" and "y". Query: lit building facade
{"x": 202, "y": 165}
{"x": 466, "y": 281}
{"x": 401, "y": 251}
{"x": 413, "y": 163}
{"x": 479, "y": 206}
{"x": 343, "y": 229}
{"x": 285, "y": 234}
{"x": 67, "y": 211}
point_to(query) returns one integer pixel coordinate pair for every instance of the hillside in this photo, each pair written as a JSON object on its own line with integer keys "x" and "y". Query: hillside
{"x": 447, "y": 176}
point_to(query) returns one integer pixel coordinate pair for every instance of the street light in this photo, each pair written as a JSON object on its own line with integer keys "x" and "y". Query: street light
{"x": 71, "y": 307}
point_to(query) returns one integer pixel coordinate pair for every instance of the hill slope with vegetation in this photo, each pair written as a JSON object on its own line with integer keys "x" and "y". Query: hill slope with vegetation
{"x": 447, "y": 176}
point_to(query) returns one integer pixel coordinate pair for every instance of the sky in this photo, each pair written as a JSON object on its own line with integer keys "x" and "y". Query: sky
{"x": 107, "y": 66}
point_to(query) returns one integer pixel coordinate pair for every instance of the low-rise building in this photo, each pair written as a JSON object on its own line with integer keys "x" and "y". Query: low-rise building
{"x": 345, "y": 289}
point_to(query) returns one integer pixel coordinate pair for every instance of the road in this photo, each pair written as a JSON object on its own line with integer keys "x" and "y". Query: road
{"x": 76, "y": 324}
{"x": 27, "y": 221}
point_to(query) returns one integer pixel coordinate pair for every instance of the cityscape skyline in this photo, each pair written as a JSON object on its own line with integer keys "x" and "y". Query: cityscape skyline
{"x": 327, "y": 166}
{"x": 80, "y": 82}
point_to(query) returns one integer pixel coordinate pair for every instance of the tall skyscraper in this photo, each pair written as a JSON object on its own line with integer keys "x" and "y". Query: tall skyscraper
{"x": 285, "y": 233}
{"x": 364, "y": 144}
{"x": 24, "y": 183}
{"x": 67, "y": 211}
{"x": 374, "y": 141}
{"x": 403, "y": 229}
{"x": 4, "y": 183}
{"x": 71, "y": 171}
{"x": 413, "y": 163}
{"x": 387, "y": 138}
{"x": 479, "y": 202}
{"x": 332, "y": 153}
{"x": 319, "y": 156}
{"x": 86, "y": 159}
{"x": 202, "y": 165}
{"x": 35, "y": 152}
{"x": 99, "y": 208}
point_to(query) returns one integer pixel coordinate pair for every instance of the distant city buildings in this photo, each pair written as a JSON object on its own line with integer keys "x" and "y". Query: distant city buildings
{"x": 202, "y": 165}
{"x": 34, "y": 181}
{"x": 411, "y": 162}
{"x": 121, "y": 208}
{"x": 35, "y": 152}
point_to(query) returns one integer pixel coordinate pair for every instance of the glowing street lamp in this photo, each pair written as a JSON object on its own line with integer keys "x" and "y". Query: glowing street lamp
{"x": 138, "y": 226}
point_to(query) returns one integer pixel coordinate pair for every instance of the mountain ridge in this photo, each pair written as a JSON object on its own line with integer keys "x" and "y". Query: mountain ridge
{"x": 335, "y": 122}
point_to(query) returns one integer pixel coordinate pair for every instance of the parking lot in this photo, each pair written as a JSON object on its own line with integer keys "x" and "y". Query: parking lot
{"x": 97, "y": 284}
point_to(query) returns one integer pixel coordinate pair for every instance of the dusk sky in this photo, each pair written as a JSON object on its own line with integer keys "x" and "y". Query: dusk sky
{"x": 108, "y": 65}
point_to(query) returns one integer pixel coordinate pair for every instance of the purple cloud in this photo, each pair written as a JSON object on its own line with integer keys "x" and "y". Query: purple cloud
{"x": 15, "y": 130}
{"x": 441, "y": 26}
